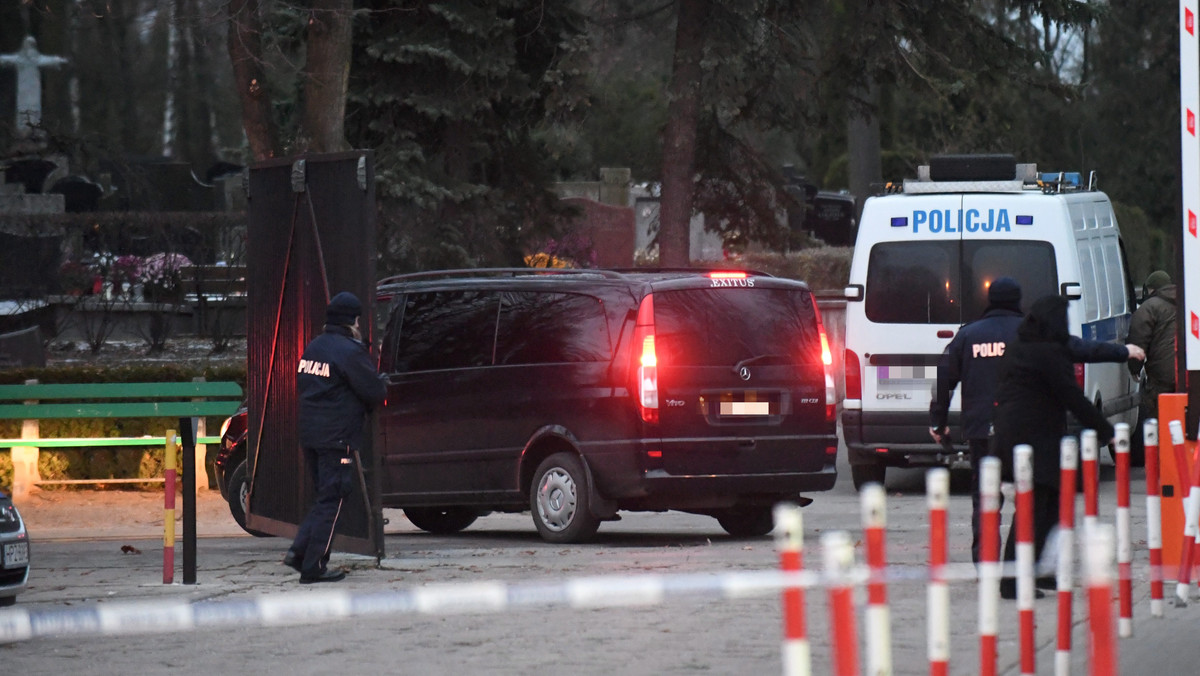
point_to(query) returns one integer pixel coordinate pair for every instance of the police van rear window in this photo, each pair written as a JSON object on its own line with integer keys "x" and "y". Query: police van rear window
{"x": 946, "y": 282}
{"x": 720, "y": 327}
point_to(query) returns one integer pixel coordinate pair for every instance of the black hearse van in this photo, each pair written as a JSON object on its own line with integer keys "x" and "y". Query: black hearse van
{"x": 578, "y": 394}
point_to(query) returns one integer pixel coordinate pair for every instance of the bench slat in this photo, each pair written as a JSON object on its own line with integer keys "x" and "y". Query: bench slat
{"x": 90, "y": 442}
{"x": 119, "y": 390}
{"x": 161, "y": 409}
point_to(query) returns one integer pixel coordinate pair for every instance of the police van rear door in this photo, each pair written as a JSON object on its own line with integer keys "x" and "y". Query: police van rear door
{"x": 912, "y": 299}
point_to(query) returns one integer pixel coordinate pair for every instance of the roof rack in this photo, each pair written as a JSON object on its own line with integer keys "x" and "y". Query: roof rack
{"x": 497, "y": 272}
{"x": 694, "y": 271}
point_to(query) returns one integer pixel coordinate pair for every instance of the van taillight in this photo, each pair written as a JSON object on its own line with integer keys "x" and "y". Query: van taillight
{"x": 827, "y": 367}
{"x": 853, "y": 375}
{"x": 1079, "y": 375}
{"x": 647, "y": 361}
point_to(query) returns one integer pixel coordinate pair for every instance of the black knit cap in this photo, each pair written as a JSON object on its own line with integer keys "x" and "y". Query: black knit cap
{"x": 1005, "y": 291}
{"x": 343, "y": 309}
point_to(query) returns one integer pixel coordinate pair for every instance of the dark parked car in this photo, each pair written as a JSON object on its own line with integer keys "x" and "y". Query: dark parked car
{"x": 14, "y": 552}
{"x": 578, "y": 394}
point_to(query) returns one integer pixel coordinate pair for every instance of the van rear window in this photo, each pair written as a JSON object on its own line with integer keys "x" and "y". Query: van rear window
{"x": 946, "y": 282}
{"x": 720, "y": 327}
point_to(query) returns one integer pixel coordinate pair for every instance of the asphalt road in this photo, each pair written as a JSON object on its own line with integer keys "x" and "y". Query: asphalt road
{"x": 682, "y": 634}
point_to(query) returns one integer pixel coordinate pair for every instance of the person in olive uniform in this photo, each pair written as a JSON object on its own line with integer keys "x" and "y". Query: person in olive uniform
{"x": 1036, "y": 390}
{"x": 338, "y": 384}
{"x": 1153, "y": 329}
{"x": 973, "y": 357}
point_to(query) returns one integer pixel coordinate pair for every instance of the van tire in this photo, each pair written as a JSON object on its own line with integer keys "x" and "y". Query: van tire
{"x": 864, "y": 474}
{"x": 238, "y": 488}
{"x": 747, "y": 522}
{"x": 441, "y": 520}
{"x": 559, "y": 500}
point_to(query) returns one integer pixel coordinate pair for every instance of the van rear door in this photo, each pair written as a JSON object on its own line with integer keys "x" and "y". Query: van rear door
{"x": 741, "y": 381}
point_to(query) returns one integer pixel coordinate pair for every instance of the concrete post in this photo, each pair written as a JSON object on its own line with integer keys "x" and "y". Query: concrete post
{"x": 201, "y": 449}
{"x": 25, "y": 458}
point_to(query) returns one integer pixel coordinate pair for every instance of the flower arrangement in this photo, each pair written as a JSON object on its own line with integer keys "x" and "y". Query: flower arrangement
{"x": 125, "y": 270}
{"x": 160, "y": 275}
{"x": 572, "y": 251}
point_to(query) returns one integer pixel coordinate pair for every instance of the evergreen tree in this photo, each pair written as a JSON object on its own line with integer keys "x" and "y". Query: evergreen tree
{"x": 453, "y": 96}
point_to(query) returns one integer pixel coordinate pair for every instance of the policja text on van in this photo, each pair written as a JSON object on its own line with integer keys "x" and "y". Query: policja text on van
{"x": 939, "y": 220}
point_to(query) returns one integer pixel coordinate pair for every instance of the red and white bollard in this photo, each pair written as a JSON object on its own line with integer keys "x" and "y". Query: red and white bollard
{"x": 789, "y": 540}
{"x": 989, "y": 563}
{"x": 1124, "y": 539}
{"x": 1068, "y": 459}
{"x": 838, "y": 554}
{"x": 1102, "y": 649}
{"x": 1023, "y": 472}
{"x": 1153, "y": 516}
{"x": 879, "y": 632}
{"x": 1190, "y": 505}
{"x": 1089, "y": 453}
{"x": 937, "y": 495}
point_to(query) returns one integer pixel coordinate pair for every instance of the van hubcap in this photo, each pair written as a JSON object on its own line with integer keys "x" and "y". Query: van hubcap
{"x": 556, "y": 499}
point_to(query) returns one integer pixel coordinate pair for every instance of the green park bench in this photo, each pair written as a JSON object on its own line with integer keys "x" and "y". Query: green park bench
{"x": 32, "y": 402}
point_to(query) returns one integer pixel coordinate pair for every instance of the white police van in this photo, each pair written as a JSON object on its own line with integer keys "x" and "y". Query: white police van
{"x": 925, "y": 255}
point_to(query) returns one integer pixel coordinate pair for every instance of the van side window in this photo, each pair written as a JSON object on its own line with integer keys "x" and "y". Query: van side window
{"x": 1087, "y": 270}
{"x": 549, "y": 328}
{"x": 913, "y": 283}
{"x": 1116, "y": 280}
{"x": 447, "y": 330}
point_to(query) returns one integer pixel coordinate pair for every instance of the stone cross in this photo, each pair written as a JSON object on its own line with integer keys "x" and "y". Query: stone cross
{"x": 27, "y": 61}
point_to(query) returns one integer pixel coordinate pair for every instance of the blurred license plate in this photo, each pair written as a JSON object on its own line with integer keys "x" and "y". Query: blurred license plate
{"x": 745, "y": 408}
{"x": 16, "y": 554}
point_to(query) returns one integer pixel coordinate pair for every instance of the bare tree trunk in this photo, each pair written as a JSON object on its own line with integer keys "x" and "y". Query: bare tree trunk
{"x": 327, "y": 73}
{"x": 679, "y": 138}
{"x": 245, "y": 53}
{"x": 863, "y": 146}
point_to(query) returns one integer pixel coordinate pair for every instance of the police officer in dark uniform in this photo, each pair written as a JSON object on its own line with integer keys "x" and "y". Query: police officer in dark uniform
{"x": 338, "y": 385}
{"x": 973, "y": 357}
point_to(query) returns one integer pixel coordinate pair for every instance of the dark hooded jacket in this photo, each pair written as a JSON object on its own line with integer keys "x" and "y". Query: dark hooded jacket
{"x": 1152, "y": 328}
{"x": 1037, "y": 387}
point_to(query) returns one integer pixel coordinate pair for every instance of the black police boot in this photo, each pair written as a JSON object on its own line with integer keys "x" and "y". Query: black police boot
{"x": 293, "y": 561}
{"x": 323, "y": 576}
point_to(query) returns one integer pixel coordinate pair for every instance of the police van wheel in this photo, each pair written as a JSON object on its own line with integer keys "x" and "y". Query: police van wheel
{"x": 441, "y": 520}
{"x": 559, "y": 500}
{"x": 747, "y": 522}
{"x": 868, "y": 473}
{"x": 239, "y": 492}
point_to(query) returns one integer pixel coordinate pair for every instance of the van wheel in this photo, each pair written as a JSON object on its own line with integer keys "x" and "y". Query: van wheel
{"x": 869, "y": 473}
{"x": 441, "y": 520}
{"x": 747, "y": 522}
{"x": 239, "y": 492}
{"x": 8, "y": 601}
{"x": 558, "y": 500}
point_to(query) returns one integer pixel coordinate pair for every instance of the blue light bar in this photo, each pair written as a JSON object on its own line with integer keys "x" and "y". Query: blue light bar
{"x": 1073, "y": 178}
{"x": 899, "y": 221}
{"x": 1024, "y": 220}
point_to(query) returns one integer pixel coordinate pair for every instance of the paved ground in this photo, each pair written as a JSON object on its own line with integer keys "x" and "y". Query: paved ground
{"x": 79, "y": 562}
